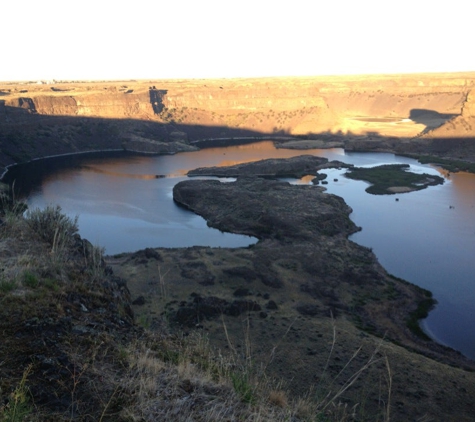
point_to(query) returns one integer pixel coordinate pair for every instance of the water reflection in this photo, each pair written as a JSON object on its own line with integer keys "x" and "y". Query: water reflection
{"x": 117, "y": 174}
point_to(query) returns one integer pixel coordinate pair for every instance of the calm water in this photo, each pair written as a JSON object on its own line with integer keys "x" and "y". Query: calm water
{"x": 427, "y": 237}
{"x": 422, "y": 240}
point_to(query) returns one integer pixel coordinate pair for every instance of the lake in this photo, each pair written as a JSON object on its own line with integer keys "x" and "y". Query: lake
{"x": 426, "y": 237}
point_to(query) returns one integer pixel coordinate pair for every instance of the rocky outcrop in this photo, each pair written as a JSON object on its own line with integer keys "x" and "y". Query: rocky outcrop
{"x": 63, "y": 319}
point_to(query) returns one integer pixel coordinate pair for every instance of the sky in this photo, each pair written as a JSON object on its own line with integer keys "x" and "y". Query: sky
{"x": 175, "y": 39}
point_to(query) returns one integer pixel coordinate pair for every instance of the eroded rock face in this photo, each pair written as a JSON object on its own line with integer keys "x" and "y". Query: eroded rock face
{"x": 294, "y": 105}
{"x": 108, "y": 103}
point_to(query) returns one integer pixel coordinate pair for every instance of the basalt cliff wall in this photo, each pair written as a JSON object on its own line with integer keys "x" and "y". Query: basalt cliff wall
{"x": 107, "y": 104}
{"x": 172, "y": 115}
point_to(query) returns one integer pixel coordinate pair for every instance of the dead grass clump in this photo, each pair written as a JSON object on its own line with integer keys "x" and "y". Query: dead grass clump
{"x": 190, "y": 382}
{"x": 184, "y": 379}
{"x": 278, "y": 398}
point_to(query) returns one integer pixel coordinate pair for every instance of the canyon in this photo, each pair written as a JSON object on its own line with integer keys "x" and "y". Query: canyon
{"x": 319, "y": 304}
{"x": 419, "y": 114}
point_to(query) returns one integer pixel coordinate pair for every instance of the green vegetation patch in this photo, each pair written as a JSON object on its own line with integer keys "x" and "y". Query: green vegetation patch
{"x": 30, "y": 280}
{"x": 7, "y": 285}
{"x": 392, "y": 179}
{"x": 450, "y": 165}
{"x": 421, "y": 312}
{"x": 424, "y": 306}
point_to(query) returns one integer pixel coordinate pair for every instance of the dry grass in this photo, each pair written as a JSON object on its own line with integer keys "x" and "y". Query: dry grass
{"x": 193, "y": 384}
{"x": 186, "y": 380}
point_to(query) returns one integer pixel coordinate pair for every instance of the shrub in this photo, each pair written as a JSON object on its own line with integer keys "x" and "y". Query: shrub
{"x": 51, "y": 225}
{"x": 243, "y": 387}
{"x": 7, "y": 285}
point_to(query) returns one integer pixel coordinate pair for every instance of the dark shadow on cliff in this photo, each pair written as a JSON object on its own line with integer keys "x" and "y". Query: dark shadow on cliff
{"x": 431, "y": 119}
{"x": 26, "y": 135}
{"x": 156, "y": 98}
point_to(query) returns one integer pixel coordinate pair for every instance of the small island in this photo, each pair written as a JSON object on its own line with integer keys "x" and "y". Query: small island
{"x": 392, "y": 178}
{"x": 294, "y": 167}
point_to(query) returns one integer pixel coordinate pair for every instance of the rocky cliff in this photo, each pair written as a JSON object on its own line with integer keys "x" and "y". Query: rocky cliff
{"x": 332, "y": 99}
{"x": 109, "y": 103}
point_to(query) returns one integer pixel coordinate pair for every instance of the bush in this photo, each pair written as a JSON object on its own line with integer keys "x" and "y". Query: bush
{"x": 7, "y": 285}
{"x": 51, "y": 225}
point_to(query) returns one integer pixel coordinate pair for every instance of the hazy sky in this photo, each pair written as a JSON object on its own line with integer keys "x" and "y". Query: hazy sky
{"x": 156, "y": 39}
